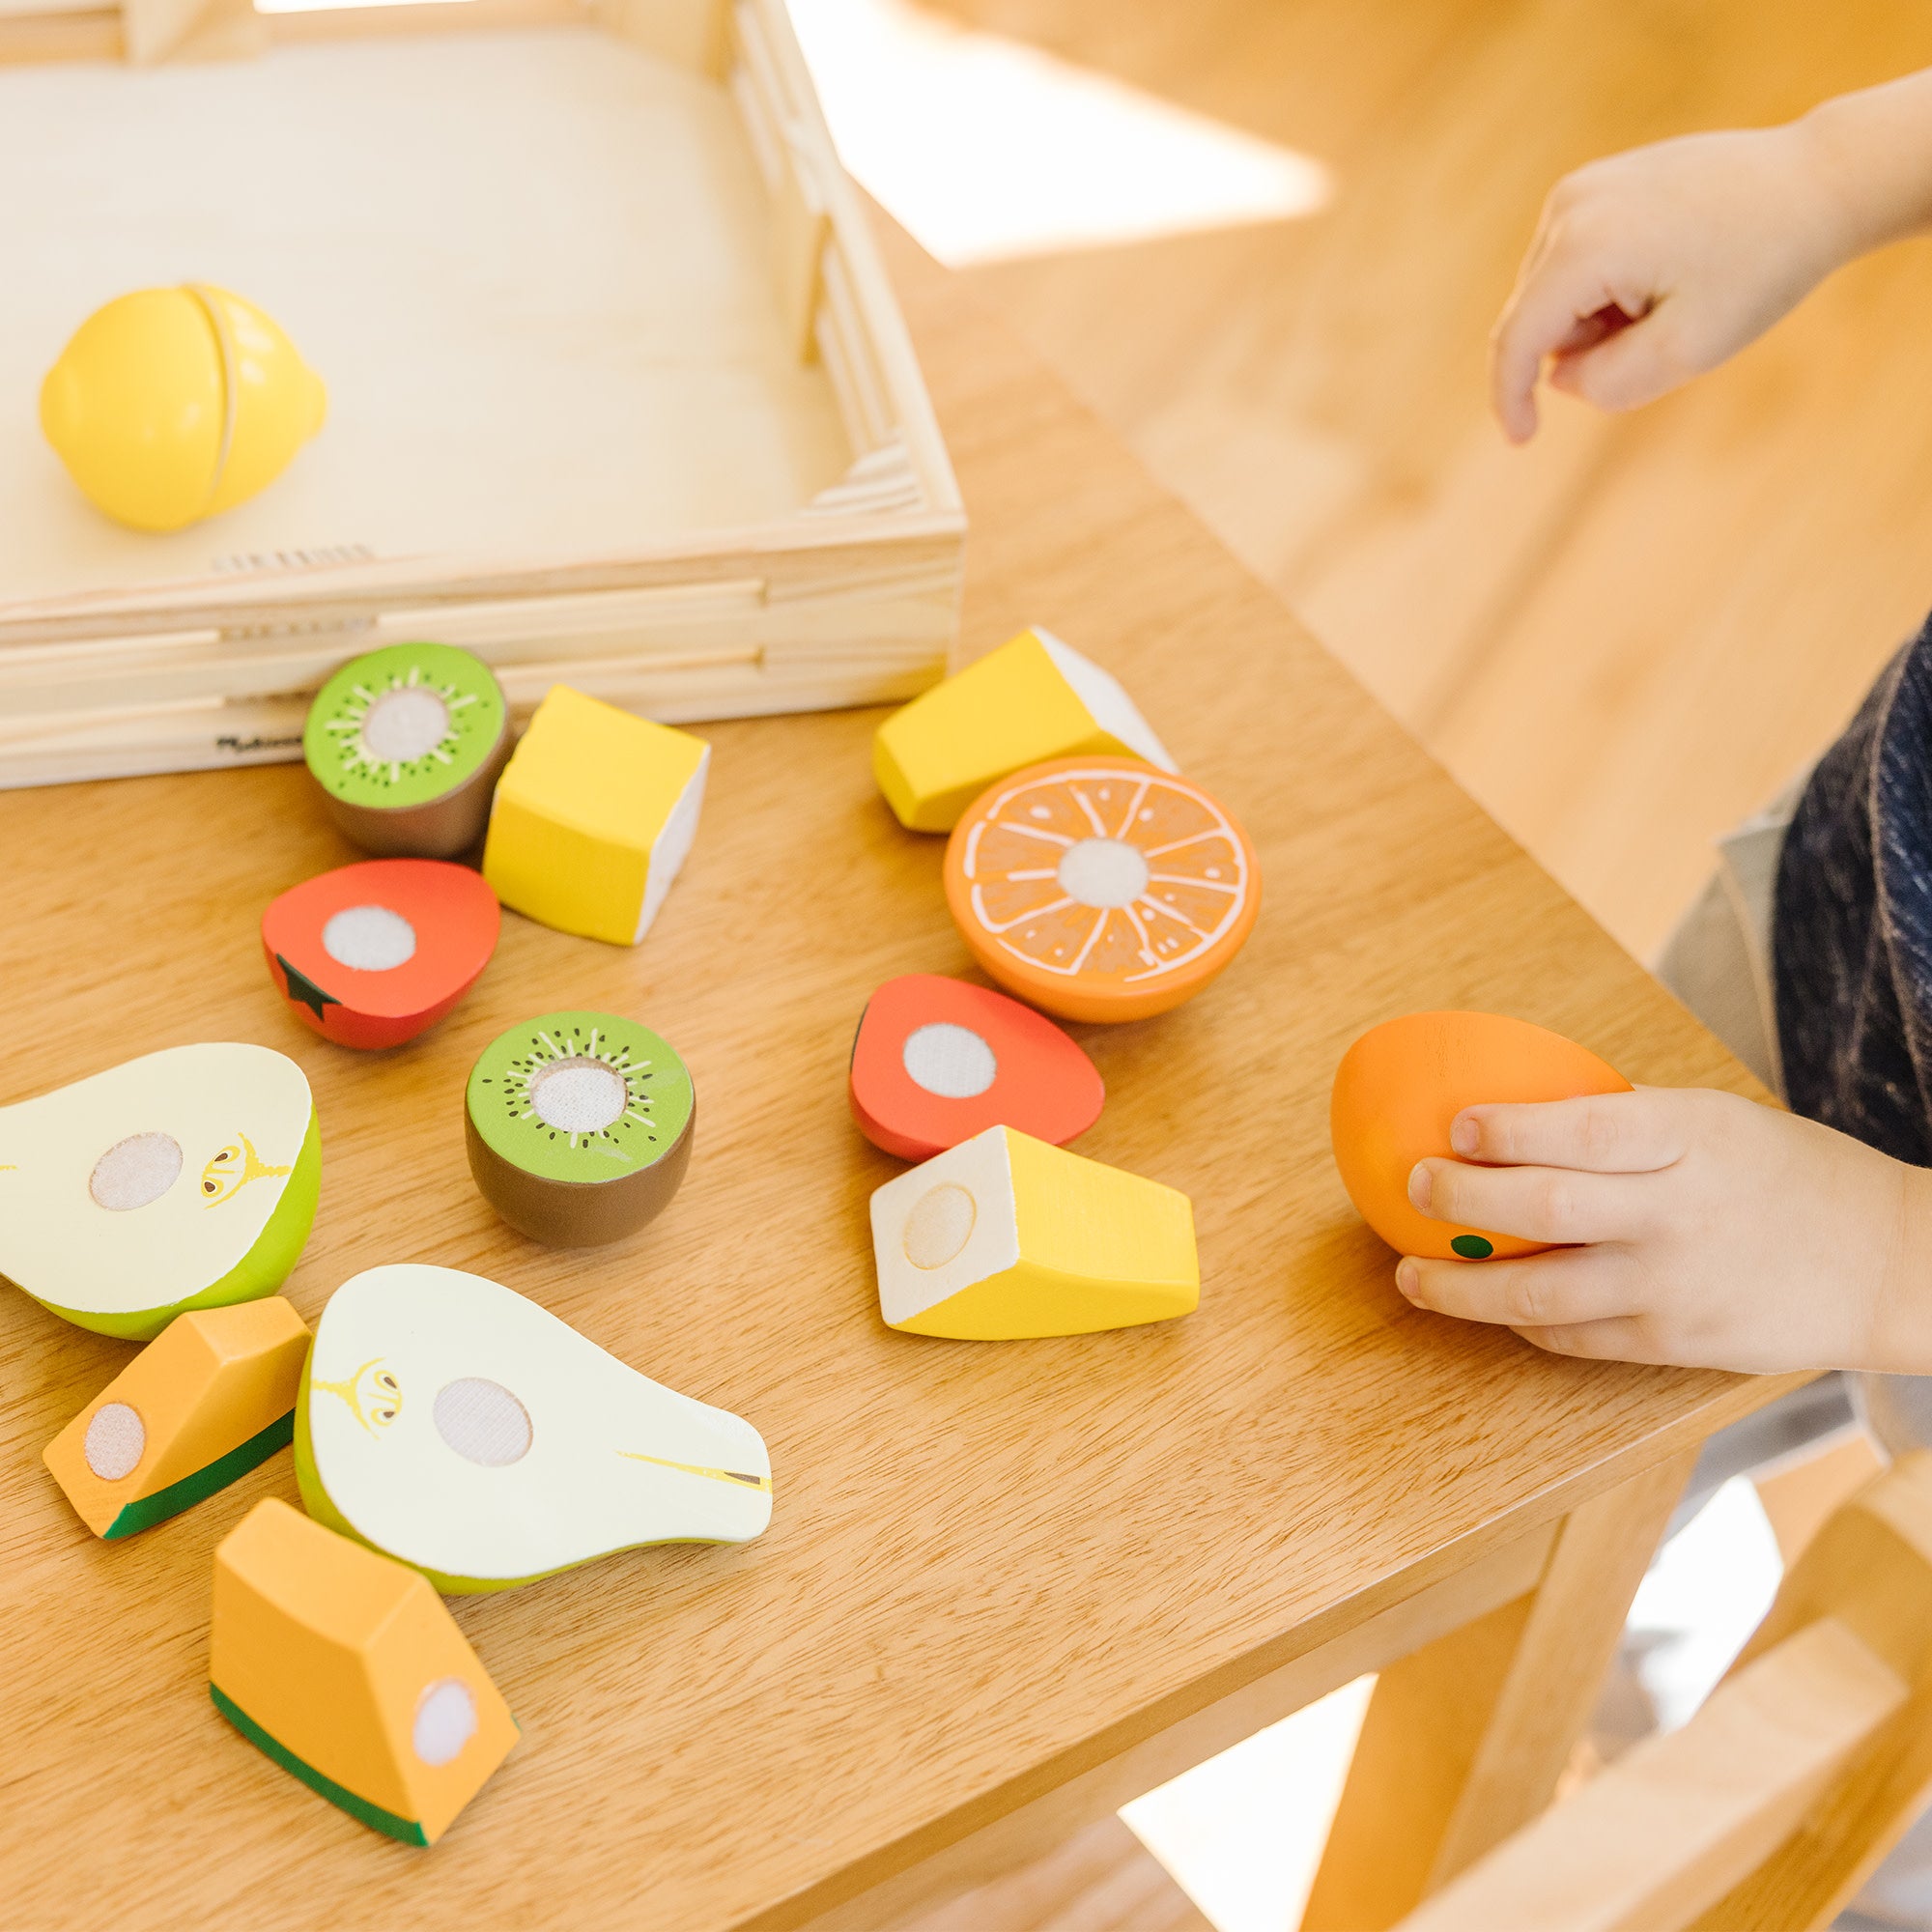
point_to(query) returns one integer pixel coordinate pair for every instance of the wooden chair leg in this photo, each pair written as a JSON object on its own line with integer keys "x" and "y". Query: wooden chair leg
{"x": 1798, "y": 1499}
{"x": 1465, "y": 1740}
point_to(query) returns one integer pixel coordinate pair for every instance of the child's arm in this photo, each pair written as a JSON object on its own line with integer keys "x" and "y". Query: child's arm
{"x": 1649, "y": 268}
{"x": 1711, "y": 1231}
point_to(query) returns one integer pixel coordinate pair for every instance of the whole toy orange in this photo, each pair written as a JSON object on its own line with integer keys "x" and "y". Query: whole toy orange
{"x": 1100, "y": 888}
{"x": 1400, "y": 1087}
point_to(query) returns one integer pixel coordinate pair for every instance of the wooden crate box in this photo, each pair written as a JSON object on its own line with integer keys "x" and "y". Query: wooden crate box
{"x": 620, "y": 394}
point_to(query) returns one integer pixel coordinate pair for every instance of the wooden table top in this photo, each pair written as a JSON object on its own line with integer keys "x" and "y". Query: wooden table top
{"x": 989, "y": 1563}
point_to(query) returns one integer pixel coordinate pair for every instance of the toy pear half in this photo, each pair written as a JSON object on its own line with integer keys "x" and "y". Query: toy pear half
{"x": 171, "y": 405}
{"x": 451, "y": 1424}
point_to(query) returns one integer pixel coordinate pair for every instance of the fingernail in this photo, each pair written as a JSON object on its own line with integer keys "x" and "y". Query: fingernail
{"x": 1407, "y": 1277}
{"x": 1464, "y": 1134}
{"x": 1419, "y": 1186}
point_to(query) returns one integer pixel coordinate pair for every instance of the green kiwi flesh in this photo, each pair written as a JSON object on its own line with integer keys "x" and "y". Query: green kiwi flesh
{"x": 405, "y": 744}
{"x": 593, "y": 1158}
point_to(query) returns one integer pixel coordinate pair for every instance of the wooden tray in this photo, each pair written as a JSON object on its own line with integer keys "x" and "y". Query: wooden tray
{"x": 618, "y": 392}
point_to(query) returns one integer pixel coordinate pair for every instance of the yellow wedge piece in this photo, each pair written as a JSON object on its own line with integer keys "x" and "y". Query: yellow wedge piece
{"x": 206, "y": 1399}
{"x": 1032, "y": 699}
{"x": 594, "y": 814}
{"x": 349, "y": 1672}
{"x": 1004, "y": 1237}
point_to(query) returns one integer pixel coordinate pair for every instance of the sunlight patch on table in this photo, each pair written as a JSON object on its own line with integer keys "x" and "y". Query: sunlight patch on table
{"x": 988, "y": 149}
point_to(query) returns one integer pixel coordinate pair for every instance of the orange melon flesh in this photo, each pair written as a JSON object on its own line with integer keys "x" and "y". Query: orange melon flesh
{"x": 346, "y": 1668}
{"x": 1400, "y": 1086}
{"x": 206, "y": 1399}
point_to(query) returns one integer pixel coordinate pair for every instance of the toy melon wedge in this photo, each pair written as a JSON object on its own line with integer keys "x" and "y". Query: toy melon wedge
{"x": 187, "y": 1178}
{"x": 344, "y": 1669}
{"x": 451, "y": 1424}
{"x": 209, "y": 1398}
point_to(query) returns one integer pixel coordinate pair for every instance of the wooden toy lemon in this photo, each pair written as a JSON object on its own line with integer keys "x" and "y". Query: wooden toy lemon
{"x": 171, "y": 405}
{"x": 1402, "y": 1084}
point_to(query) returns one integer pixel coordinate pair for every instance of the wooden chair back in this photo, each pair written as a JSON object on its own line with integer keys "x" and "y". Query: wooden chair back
{"x": 1776, "y": 1802}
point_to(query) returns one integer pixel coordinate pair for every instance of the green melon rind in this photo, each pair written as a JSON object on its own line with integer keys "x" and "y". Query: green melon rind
{"x": 408, "y": 1829}
{"x": 426, "y": 780}
{"x": 261, "y": 1271}
{"x": 533, "y": 1148}
{"x": 145, "y": 1512}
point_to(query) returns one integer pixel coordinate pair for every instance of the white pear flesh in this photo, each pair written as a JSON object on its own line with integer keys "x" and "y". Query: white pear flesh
{"x": 113, "y": 1199}
{"x": 462, "y": 1429}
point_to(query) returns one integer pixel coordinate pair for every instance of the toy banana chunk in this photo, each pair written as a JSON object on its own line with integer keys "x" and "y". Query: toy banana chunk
{"x": 1004, "y": 1238}
{"x": 594, "y": 816}
{"x": 211, "y": 1397}
{"x": 1033, "y": 699}
{"x": 461, "y": 1429}
{"x": 345, "y": 1669}
{"x": 187, "y": 1178}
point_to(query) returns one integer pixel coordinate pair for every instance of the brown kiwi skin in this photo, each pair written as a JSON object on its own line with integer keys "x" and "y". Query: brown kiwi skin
{"x": 576, "y": 1213}
{"x": 443, "y": 829}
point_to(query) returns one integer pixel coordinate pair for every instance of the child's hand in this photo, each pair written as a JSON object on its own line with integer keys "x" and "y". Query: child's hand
{"x": 1649, "y": 268}
{"x": 1711, "y": 1231}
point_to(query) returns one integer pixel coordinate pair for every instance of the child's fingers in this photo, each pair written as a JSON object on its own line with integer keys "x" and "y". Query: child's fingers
{"x": 1617, "y": 1338}
{"x": 1535, "y": 1204}
{"x": 1562, "y": 286}
{"x": 1628, "y": 369}
{"x": 1599, "y": 1133}
{"x": 1560, "y": 1289}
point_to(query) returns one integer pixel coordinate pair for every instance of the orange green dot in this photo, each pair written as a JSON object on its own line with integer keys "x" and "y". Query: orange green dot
{"x": 1474, "y": 1247}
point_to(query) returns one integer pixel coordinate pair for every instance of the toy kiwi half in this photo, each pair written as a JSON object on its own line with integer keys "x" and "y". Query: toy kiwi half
{"x": 406, "y": 744}
{"x": 579, "y": 1126}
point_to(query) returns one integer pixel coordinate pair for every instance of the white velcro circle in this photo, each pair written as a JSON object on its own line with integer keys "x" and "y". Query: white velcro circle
{"x": 939, "y": 1226}
{"x": 405, "y": 725}
{"x": 445, "y": 1720}
{"x": 137, "y": 1170}
{"x": 483, "y": 1421}
{"x": 1103, "y": 873}
{"x": 579, "y": 1096}
{"x": 116, "y": 1437}
{"x": 949, "y": 1060}
{"x": 369, "y": 939}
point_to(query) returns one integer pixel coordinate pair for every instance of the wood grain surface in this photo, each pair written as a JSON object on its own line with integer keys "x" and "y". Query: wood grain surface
{"x": 1627, "y": 637}
{"x": 991, "y": 1566}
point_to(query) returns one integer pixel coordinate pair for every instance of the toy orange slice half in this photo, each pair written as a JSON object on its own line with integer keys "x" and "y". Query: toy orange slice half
{"x": 370, "y": 954}
{"x": 1102, "y": 889}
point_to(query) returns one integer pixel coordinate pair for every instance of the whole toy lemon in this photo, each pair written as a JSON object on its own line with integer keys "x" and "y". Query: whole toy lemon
{"x": 170, "y": 405}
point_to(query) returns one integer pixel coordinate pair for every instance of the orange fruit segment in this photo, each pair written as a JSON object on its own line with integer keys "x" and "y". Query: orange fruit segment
{"x": 1102, "y": 889}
